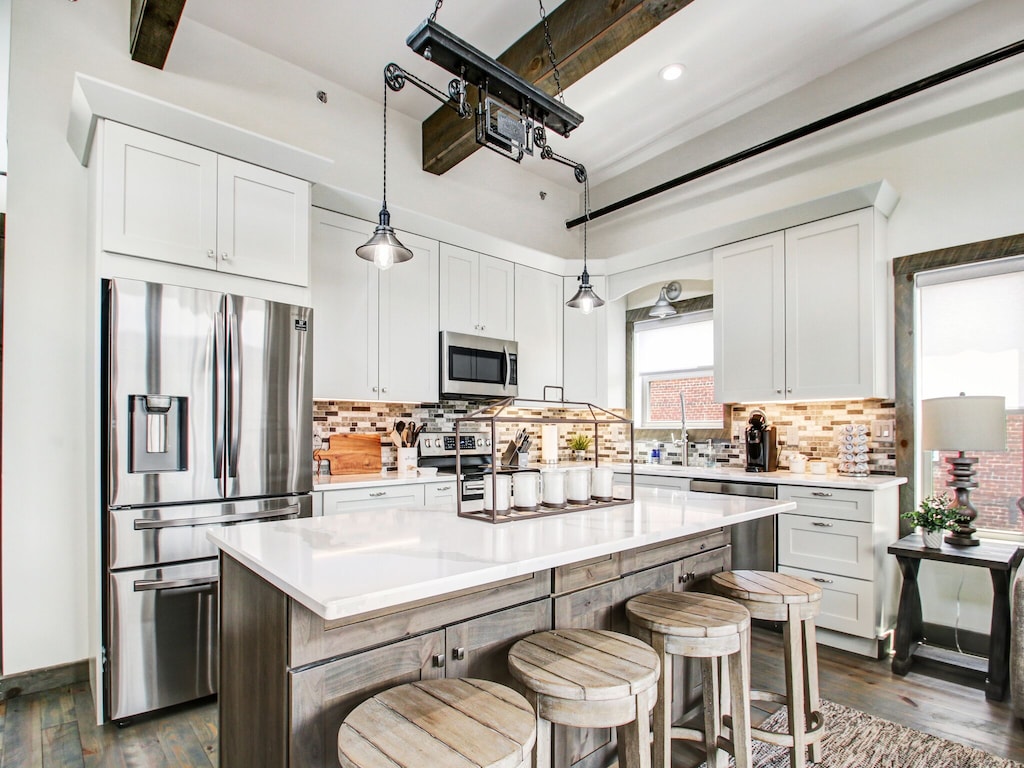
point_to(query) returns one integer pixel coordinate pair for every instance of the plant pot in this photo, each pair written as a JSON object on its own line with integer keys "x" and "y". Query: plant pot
{"x": 579, "y": 455}
{"x": 933, "y": 539}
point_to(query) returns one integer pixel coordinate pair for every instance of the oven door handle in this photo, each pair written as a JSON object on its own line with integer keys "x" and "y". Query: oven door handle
{"x": 157, "y": 585}
{"x": 142, "y": 524}
{"x": 507, "y": 366}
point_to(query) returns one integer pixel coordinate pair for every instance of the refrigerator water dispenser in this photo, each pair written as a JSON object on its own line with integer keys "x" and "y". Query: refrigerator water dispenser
{"x": 157, "y": 436}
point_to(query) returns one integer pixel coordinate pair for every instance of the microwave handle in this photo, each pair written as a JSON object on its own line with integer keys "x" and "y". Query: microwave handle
{"x": 507, "y": 364}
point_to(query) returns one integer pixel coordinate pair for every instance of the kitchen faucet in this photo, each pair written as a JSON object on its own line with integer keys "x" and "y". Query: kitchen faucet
{"x": 682, "y": 422}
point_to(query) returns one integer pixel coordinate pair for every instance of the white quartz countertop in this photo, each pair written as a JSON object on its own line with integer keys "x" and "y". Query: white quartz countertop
{"x": 781, "y": 477}
{"x": 348, "y": 564}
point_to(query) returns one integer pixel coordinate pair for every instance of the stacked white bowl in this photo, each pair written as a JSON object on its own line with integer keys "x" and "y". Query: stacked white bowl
{"x": 853, "y": 450}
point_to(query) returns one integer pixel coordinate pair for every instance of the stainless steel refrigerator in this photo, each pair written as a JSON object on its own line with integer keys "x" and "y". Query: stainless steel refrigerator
{"x": 208, "y": 412}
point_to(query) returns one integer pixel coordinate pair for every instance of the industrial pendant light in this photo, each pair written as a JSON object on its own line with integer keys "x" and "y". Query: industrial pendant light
{"x": 384, "y": 248}
{"x": 663, "y": 306}
{"x": 585, "y": 298}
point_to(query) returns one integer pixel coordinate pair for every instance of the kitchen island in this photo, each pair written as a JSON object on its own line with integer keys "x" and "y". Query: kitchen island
{"x": 319, "y": 614}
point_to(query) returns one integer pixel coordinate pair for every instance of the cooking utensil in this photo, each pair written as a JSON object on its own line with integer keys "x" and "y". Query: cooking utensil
{"x": 419, "y": 431}
{"x": 396, "y": 439}
{"x": 410, "y": 434}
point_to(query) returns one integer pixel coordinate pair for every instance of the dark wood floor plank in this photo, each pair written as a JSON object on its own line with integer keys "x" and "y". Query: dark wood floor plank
{"x": 180, "y": 744}
{"x": 100, "y": 745}
{"x": 56, "y": 707}
{"x": 22, "y": 737}
{"x": 140, "y": 746}
{"x": 203, "y": 721}
{"x": 62, "y": 747}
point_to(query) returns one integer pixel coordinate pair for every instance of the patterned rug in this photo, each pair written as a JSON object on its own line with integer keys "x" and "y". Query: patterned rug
{"x": 856, "y": 739}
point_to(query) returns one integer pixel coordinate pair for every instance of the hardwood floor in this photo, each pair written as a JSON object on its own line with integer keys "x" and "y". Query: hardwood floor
{"x": 57, "y": 727}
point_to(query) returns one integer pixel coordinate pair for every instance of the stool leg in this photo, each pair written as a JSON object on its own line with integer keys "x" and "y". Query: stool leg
{"x": 811, "y": 681}
{"x": 542, "y": 749}
{"x": 739, "y": 685}
{"x": 792, "y": 634}
{"x": 712, "y": 709}
{"x": 663, "y": 707}
{"x": 635, "y": 738}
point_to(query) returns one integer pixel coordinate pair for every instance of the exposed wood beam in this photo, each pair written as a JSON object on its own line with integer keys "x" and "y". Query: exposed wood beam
{"x": 154, "y": 23}
{"x": 584, "y": 33}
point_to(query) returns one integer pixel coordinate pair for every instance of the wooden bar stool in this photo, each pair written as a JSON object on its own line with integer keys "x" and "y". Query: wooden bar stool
{"x": 589, "y": 678}
{"x": 457, "y": 723}
{"x": 795, "y": 601}
{"x": 711, "y": 629}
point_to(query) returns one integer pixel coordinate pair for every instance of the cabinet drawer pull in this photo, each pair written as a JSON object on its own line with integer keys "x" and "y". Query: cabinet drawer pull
{"x": 821, "y": 493}
{"x": 458, "y": 654}
{"x": 378, "y": 494}
{"x": 439, "y": 660}
{"x": 822, "y": 581}
{"x": 444, "y": 488}
{"x": 822, "y": 525}
{"x": 687, "y": 577}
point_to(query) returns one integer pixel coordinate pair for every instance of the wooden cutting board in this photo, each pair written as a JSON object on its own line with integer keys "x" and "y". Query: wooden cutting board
{"x": 352, "y": 454}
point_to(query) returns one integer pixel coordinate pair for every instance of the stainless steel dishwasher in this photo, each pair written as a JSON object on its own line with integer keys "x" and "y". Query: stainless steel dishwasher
{"x": 753, "y": 542}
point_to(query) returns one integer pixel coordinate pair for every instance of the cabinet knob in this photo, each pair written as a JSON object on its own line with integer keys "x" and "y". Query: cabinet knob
{"x": 374, "y": 389}
{"x": 383, "y": 389}
{"x": 778, "y": 391}
{"x": 483, "y": 327}
{"x": 821, "y": 493}
{"x": 822, "y": 525}
{"x": 439, "y": 660}
{"x": 458, "y": 654}
{"x": 224, "y": 255}
{"x": 789, "y": 390}
{"x": 211, "y": 254}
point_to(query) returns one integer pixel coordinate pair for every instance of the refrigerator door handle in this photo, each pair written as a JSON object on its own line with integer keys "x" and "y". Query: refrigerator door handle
{"x": 144, "y": 585}
{"x": 143, "y": 524}
{"x": 218, "y": 399}
{"x": 234, "y": 394}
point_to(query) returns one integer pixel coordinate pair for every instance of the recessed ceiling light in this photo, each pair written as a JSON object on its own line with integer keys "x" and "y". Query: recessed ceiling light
{"x": 672, "y": 72}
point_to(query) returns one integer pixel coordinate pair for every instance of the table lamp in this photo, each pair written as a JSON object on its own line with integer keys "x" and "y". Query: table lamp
{"x": 962, "y": 424}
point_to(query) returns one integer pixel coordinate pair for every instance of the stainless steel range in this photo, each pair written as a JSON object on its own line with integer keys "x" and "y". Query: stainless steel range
{"x": 437, "y": 449}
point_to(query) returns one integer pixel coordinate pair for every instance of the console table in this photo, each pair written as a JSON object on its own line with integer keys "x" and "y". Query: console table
{"x": 1000, "y": 558}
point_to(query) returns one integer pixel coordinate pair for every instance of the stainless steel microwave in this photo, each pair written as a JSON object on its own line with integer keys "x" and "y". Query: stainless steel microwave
{"x": 475, "y": 366}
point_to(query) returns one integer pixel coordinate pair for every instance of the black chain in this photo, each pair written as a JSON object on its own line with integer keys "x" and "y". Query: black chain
{"x": 437, "y": 7}
{"x": 551, "y": 50}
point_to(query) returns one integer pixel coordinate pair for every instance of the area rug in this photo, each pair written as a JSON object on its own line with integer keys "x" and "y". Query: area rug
{"x": 855, "y": 739}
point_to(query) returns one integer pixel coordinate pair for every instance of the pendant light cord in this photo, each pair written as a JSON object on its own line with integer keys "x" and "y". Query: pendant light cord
{"x": 586, "y": 217}
{"x": 385, "y": 195}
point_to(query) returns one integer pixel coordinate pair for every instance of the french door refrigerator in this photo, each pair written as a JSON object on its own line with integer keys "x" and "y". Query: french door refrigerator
{"x": 208, "y": 413}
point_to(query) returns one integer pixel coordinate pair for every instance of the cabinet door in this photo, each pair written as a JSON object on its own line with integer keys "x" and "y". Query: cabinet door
{"x": 847, "y": 605}
{"x": 585, "y": 346}
{"x": 440, "y": 493}
{"x": 496, "y": 298}
{"x": 159, "y": 198}
{"x": 830, "y": 308}
{"x": 344, "y": 296}
{"x": 538, "y": 316}
{"x": 375, "y": 497}
{"x": 262, "y": 223}
{"x": 460, "y": 280}
{"x": 321, "y": 696}
{"x": 408, "y": 335}
{"x": 749, "y": 320}
{"x": 479, "y": 647}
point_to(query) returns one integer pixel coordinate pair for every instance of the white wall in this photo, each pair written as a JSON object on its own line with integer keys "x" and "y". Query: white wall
{"x": 46, "y": 456}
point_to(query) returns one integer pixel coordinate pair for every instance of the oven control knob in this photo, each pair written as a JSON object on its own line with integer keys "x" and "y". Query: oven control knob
{"x": 487, "y": 442}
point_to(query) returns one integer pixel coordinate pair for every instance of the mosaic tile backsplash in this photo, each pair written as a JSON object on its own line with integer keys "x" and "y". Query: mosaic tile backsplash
{"x": 811, "y": 429}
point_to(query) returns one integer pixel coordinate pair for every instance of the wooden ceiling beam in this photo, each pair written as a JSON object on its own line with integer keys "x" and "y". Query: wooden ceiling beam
{"x": 584, "y": 33}
{"x": 153, "y": 24}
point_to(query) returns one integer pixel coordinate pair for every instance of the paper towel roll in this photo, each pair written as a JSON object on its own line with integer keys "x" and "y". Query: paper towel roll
{"x": 549, "y": 443}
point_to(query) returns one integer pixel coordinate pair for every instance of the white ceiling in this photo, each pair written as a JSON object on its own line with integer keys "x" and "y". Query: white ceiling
{"x": 740, "y": 55}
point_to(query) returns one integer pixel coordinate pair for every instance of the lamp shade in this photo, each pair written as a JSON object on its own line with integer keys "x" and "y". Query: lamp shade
{"x": 963, "y": 423}
{"x": 662, "y": 307}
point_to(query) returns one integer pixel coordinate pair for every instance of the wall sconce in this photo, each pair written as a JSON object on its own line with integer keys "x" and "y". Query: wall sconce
{"x": 963, "y": 424}
{"x": 663, "y": 306}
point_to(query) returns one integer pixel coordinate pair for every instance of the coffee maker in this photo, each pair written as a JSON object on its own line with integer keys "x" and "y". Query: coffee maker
{"x": 762, "y": 445}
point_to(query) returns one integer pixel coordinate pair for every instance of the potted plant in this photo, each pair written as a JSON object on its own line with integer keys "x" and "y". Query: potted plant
{"x": 578, "y": 444}
{"x": 938, "y": 513}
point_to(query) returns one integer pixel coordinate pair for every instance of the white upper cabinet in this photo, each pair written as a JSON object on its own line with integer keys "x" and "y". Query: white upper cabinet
{"x": 538, "y": 313}
{"x": 585, "y": 341}
{"x": 477, "y": 293}
{"x": 376, "y": 332}
{"x": 170, "y": 201}
{"x": 803, "y": 314}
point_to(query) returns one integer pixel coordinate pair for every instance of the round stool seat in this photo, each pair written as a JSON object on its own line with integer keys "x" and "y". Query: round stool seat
{"x": 584, "y": 664}
{"x": 457, "y": 722}
{"x": 768, "y": 595}
{"x": 688, "y": 614}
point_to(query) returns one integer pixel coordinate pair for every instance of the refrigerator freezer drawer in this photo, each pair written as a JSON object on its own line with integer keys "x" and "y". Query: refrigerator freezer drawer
{"x": 152, "y": 535}
{"x": 163, "y": 636}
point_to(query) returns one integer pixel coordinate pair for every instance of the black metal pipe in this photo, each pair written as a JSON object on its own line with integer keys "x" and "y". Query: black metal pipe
{"x": 798, "y": 133}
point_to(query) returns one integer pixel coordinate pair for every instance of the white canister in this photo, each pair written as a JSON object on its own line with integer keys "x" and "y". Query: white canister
{"x": 578, "y": 482}
{"x": 549, "y": 443}
{"x": 525, "y": 490}
{"x": 798, "y": 464}
{"x": 503, "y": 485}
{"x": 818, "y": 467}
{"x": 552, "y": 483}
{"x": 601, "y": 483}
{"x": 407, "y": 460}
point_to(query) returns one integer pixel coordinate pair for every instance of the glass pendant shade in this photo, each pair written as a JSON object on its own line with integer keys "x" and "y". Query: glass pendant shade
{"x": 585, "y": 299}
{"x": 384, "y": 248}
{"x": 662, "y": 307}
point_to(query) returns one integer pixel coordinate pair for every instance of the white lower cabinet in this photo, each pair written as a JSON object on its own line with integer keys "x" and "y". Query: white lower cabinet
{"x": 653, "y": 481}
{"x": 347, "y": 499}
{"x": 440, "y": 493}
{"x": 837, "y": 538}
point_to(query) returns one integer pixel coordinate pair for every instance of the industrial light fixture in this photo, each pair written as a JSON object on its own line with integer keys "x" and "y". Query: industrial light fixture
{"x": 585, "y": 299}
{"x": 384, "y": 249}
{"x": 663, "y": 306}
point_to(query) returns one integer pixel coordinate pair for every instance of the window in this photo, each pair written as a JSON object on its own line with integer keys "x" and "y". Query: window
{"x": 972, "y": 340}
{"x": 674, "y": 357}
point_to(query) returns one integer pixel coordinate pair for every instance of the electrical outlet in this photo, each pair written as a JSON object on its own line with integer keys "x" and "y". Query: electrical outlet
{"x": 792, "y": 436}
{"x": 884, "y": 430}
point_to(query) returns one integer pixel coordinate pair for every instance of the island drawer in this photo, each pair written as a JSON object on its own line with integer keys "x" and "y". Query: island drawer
{"x": 825, "y": 544}
{"x": 587, "y": 573}
{"x": 311, "y": 638}
{"x": 835, "y": 503}
{"x": 666, "y": 552}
